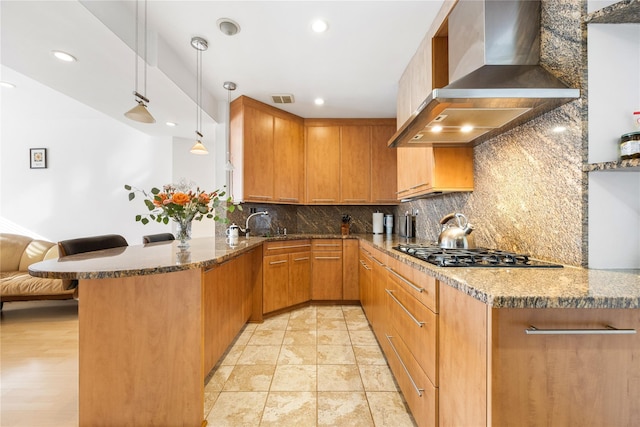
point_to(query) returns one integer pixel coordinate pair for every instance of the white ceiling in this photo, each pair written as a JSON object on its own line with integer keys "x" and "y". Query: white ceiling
{"x": 354, "y": 66}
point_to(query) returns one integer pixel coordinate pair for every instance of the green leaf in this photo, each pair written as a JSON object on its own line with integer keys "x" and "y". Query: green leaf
{"x": 127, "y": 187}
{"x": 138, "y": 217}
{"x": 145, "y": 221}
{"x": 154, "y": 190}
{"x": 166, "y": 220}
{"x": 132, "y": 196}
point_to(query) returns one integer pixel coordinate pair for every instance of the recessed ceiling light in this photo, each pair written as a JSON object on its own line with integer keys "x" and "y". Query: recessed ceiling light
{"x": 63, "y": 56}
{"x": 228, "y": 26}
{"x": 436, "y": 128}
{"x": 171, "y": 124}
{"x": 319, "y": 26}
{"x": 319, "y": 101}
{"x": 559, "y": 129}
{"x": 466, "y": 128}
{"x": 7, "y": 85}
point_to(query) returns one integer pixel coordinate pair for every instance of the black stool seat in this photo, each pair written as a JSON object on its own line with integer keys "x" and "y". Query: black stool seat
{"x": 90, "y": 244}
{"x": 160, "y": 237}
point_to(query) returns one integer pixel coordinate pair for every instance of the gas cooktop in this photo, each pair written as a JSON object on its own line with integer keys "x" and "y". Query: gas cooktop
{"x": 478, "y": 257}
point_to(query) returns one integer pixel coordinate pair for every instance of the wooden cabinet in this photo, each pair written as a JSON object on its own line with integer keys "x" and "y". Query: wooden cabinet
{"x": 266, "y": 149}
{"x": 350, "y": 281}
{"x": 227, "y": 305}
{"x": 348, "y": 161}
{"x": 425, "y": 170}
{"x": 372, "y": 289}
{"x": 286, "y": 274}
{"x": 323, "y": 164}
{"x": 559, "y": 378}
{"x": 326, "y": 270}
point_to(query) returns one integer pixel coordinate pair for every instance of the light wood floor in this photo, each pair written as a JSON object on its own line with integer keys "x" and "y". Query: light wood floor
{"x": 315, "y": 366}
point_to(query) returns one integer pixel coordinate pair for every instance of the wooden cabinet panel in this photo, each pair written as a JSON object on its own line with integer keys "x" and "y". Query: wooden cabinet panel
{"x": 276, "y": 282}
{"x": 323, "y": 164}
{"x": 299, "y": 278}
{"x": 419, "y": 285}
{"x": 326, "y": 276}
{"x": 364, "y": 280}
{"x": 288, "y": 174}
{"x": 355, "y": 164}
{"x": 258, "y": 155}
{"x": 350, "y": 291}
{"x": 564, "y": 379}
{"x": 384, "y": 180}
{"x": 414, "y": 171}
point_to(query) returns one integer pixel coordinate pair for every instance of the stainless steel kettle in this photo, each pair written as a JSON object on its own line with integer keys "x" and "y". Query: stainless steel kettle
{"x": 456, "y": 236}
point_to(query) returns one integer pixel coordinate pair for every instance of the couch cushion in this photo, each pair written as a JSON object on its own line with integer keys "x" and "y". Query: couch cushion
{"x": 22, "y": 283}
{"x": 35, "y": 252}
{"x": 11, "y": 248}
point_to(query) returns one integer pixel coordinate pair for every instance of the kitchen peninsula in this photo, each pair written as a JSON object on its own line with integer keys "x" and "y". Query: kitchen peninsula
{"x": 155, "y": 320}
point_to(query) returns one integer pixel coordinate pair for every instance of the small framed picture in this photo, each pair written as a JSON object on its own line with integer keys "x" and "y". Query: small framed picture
{"x": 38, "y": 158}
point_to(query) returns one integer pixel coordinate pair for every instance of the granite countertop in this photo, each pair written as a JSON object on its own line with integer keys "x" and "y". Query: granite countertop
{"x": 568, "y": 287}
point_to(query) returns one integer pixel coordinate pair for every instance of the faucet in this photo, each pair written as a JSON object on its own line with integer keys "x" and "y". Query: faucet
{"x": 246, "y": 230}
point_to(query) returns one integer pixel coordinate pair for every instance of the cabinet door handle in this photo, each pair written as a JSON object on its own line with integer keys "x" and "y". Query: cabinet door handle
{"x": 418, "y": 185}
{"x": 323, "y": 200}
{"x": 328, "y": 244}
{"x": 277, "y": 248}
{"x": 288, "y": 199}
{"x": 415, "y": 386}
{"x": 253, "y": 196}
{"x": 608, "y": 330}
{"x": 364, "y": 265}
{"x": 277, "y": 262}
{"x": 355, "y": 200}
{"x": 327, "y": 257}
{"x": 416, "y": 321}
{"x": 379, "y": 263}
{"x": 405, "y": 280}
{"x": 301, "y": 259}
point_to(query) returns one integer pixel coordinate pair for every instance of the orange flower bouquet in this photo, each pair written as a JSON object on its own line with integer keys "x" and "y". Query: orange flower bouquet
{"x": 182, "y": 204}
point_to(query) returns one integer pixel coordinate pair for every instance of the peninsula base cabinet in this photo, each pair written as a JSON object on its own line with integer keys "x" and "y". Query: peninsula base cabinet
{"x": 494, "y": 373}
{"x": 286, "y": 274}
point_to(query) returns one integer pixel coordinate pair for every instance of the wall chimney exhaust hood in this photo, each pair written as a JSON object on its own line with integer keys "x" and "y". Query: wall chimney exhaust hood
{"x": 498, "y": 84}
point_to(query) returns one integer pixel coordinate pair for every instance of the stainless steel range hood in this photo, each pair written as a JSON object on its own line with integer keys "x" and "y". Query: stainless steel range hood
{"x": 494, "y": 53}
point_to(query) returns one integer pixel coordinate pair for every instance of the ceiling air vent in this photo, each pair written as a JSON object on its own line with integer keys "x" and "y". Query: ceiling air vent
{"x": 282, "y": 98}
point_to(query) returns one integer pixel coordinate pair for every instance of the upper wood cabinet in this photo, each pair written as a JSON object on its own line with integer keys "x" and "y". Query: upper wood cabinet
{"x": 267, "y": 149}
{"x": 348, "y": 161}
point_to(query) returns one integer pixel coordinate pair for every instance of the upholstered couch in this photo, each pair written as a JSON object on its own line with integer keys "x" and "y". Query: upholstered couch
{"x": 17, "y": 253}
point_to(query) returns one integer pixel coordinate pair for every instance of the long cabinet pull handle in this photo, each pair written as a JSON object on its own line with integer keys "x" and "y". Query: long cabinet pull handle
{"x": 323, "y": 200}
{"x": 379, "y": 263}
{"x": 288, "y": 199}
{"x": 277, "y": 262}
{"x": 329, "y": 244}
{"x": 416, "y": 321}
{"x": 405, "y": 280}
{"x": 254, "y": 196}
{"x": 277, "y": 248}
{"x": 364, "y": 265}
{"x": 418, "y": 185}
{"x": 608, "y": 330}
{"x": 355, "y": 200}
{"x": 301, "y": 259}
{"x": 393, "y": 347}
{"x": 327, "y": 257}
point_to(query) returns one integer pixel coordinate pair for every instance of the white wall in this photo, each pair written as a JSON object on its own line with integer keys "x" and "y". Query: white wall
{"x": 90, "y": 159}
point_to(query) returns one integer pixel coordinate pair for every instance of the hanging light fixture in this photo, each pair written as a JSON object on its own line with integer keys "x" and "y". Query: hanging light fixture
{"x": 200, "y": 45}
{"x": 229, "y": 86}
{"x": 139, "y": 113}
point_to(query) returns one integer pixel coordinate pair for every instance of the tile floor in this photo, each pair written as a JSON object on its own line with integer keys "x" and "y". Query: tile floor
{"x": 315, "y": 366}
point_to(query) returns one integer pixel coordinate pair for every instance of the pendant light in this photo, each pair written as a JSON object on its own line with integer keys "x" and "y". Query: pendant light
{"x": 139, "y": 113}
{"x": 200, "y": 45}
{"x": 228, "y": 167}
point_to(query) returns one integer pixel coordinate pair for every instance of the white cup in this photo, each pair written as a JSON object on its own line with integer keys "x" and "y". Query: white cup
{"x": 233, "y": 231}
{"x": 232, "y": 241}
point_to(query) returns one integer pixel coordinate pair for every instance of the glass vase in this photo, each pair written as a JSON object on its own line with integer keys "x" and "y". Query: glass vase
{"x": 183, "y": 233}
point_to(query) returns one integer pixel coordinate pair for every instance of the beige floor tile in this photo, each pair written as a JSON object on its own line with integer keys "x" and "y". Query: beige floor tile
{"x": 358, "y": 325}
{"x": 328, "y": 324}
{"x": 336, "y": 355}
{"x": 267, "y": 337}
{"x": 298, "y": 355}
{"x": 236, "y": 409}
{"x": 304, "y": 312}
{"x": 363, "y": 338}
{"x": 250, "y": 378}
{"x": 259, "y": 355}
{"x": 329, "y": 312}
{"x": 290, "y": 409}
{"x": 302, "y": 323}
{"x": 339, "y": 378}
{"x": 232, "y": 355}
{"x": 275, "y": 323}
{"x": 244, "y": 336}
{"x": 369, "y": 355}
{"x": 219, "y": 377}
{"x": 377, "y": 378}
{"x": 388, "y": 409}
{"x": 300, "y": 338}
{"x": 343, "y": 409}
{"x": 353, "y": 312}
{"x": 210, "y": 398}
{"x": 294, "y": 378}
{"x": 333, "y": 338}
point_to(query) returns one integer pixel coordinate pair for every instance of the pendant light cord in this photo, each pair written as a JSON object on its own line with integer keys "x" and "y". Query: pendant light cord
{"x": 145, "y": 48}
{"x": 136, "y": 49}
{"x": 199, "y": 90}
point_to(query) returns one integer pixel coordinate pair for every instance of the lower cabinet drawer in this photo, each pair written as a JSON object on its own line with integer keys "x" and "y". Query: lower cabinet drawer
{"x": 420, "y": 394}
{"x": 417, "y": 326}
